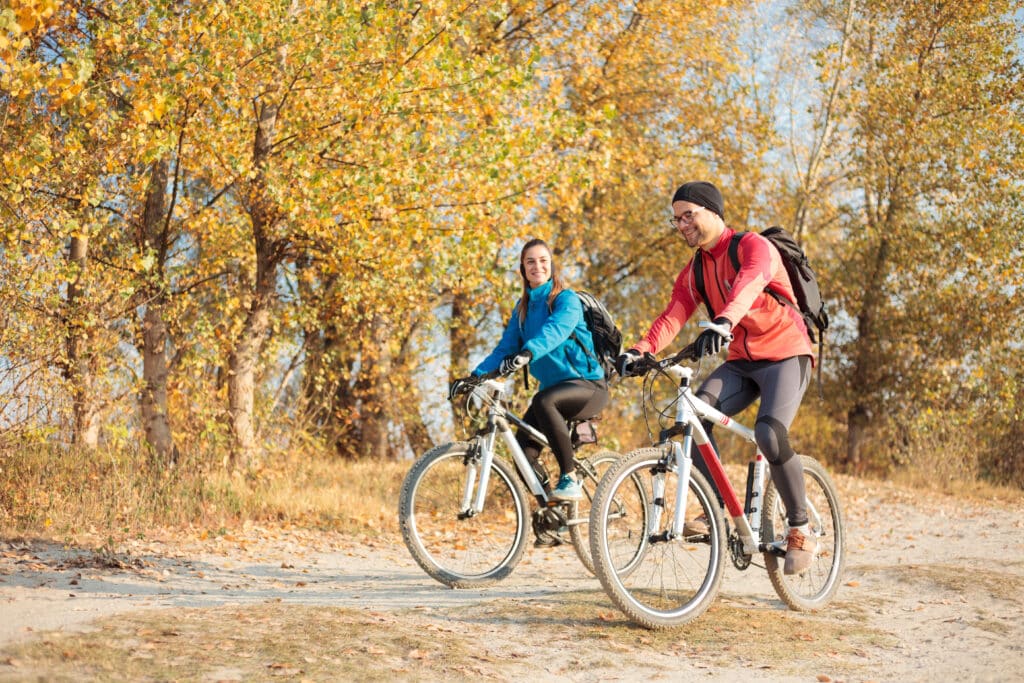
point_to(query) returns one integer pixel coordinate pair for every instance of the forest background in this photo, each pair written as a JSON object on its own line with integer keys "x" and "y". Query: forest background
{"x": 239, "y": 238}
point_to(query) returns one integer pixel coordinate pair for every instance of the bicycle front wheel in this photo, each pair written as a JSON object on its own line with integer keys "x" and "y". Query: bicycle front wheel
{"x": 458, "y": 550}
{"x": 657, "y": 581}
{"x": 814, "y": 588}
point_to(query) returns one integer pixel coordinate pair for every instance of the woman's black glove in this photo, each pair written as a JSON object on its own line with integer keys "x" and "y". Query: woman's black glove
{"x": 512, "y": 363}
{"x": 711, "y": 340}
{"x": 462, "y": 385}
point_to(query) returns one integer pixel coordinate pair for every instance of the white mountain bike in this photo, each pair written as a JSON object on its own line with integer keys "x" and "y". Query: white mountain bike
{"x": 677, "y": 575}
{"x": 463, "y": 509}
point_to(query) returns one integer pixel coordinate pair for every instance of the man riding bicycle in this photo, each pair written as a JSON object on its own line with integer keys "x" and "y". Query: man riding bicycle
{"x": 770, "y": 354}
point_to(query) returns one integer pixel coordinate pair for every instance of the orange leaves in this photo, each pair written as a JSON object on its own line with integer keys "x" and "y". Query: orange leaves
{"x": 20, "y": 20}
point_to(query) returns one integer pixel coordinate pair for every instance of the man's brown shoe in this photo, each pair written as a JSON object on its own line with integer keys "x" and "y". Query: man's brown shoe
{"x": 799, "y": 552}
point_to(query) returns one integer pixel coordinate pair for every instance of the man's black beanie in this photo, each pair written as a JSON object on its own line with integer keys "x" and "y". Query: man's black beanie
{"x": 703, "y": 194}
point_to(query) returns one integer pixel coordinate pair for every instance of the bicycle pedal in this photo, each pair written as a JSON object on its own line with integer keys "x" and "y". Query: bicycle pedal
{"x": 548, "y": 541}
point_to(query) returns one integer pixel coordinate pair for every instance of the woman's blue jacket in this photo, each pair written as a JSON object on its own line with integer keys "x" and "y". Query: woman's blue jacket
{"x": 548, "y": 335}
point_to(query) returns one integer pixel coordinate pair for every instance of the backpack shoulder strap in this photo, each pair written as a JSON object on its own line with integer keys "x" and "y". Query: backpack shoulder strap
{"x": 698, "y": 280}
{"x": 734, "y": 249}
{"x": 698, "y": 268}
{"x": 572, "y": 335}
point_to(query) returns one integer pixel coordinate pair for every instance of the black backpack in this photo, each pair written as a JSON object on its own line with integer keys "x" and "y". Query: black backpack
{"x": 801, "y": 277}
{"x": 606, "y": 334}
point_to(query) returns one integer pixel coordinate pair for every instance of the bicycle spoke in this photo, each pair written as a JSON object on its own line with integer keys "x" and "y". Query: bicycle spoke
{"x": 815, "y": 587}
{"x": 654, "y": 579}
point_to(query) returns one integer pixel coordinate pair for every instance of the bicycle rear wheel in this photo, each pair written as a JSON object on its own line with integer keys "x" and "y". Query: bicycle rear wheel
{"x": 814, "y": 588}
{"x": 590, "y": 470}
{"x": 460, "y": 551}
{"x": 657, "y": 582}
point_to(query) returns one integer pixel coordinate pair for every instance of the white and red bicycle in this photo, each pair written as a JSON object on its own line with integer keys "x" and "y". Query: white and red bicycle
{"x": 673, "y": 577}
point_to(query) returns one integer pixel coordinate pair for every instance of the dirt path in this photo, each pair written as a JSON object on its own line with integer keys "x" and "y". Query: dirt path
{"x": 933, "y": 589}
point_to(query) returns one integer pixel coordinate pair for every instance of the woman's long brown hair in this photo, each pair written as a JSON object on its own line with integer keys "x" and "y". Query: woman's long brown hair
{"x": 557, "y": 284}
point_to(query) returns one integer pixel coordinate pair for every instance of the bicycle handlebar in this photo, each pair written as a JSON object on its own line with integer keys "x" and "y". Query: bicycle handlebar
{"x": 472, "y": 384}
{"x": 648, "y": 362}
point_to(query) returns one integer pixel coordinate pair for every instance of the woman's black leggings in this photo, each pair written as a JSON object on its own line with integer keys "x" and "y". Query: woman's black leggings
{"x": 550, "y": 409}
{"x": 733, "y": 386}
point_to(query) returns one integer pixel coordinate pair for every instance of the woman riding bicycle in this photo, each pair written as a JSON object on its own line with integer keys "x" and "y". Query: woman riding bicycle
{"x": 769, "y": 358}
{"x": 547, "y": 332}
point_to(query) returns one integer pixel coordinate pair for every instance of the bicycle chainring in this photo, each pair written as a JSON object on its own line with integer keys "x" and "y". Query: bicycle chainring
{"x": 548, "y": 519}
{"x": 739, "y": 559}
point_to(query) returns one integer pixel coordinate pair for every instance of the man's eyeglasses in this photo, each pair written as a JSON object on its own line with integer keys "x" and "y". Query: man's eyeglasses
{"x": 685, "y": 218}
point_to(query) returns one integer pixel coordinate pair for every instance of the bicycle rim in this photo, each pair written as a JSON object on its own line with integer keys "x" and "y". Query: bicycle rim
{"x": 816, "y": 587}
{"x": 656, "y": 583}
{"x": 469, "y": 552}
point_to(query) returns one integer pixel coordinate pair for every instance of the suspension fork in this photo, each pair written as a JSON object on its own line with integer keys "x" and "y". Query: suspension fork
{"x": 473, "y": 493}
{"x": 478, "y": 464}
{"x": 683, "y": 461}
{"x": 679, "y": 459}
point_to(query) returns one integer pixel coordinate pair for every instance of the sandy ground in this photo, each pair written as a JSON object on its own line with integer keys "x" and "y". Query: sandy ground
{"x": 944, "y": 577}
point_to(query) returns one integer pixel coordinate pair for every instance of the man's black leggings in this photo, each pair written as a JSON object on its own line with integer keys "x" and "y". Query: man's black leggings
{"x": 733, "y": 386}
{"x": 577, "y": 399}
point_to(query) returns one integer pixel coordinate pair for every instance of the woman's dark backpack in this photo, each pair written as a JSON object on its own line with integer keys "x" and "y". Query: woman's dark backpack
{"x": 606, "y": 334}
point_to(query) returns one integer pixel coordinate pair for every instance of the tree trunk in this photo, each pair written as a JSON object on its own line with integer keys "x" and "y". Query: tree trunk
{"x": 416, "y": 432}
{"x": 866, "y": 358}
{"x": 858, "y": 421}
{"x": 78, "y": 370}
{"x": 154, "y": 392}
{"x": 244, "y": 358}
{"x": 242, "y": 364}
{"x": 375, "y": 418}
{"x": 153, "y": 400}
{"x": 460, "y": 337}
{"x": 403, "y": 375}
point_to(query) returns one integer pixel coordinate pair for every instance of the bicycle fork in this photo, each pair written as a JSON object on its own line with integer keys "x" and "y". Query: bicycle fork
{"x": 478, "y": 467}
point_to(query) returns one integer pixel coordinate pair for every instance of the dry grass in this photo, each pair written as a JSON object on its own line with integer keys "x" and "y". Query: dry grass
{"x": 117, "y": 494}
{"x": 572, "y": 632}
{"x": 46, "y": 492}
{"x": 922, "y": 478}
{"x": 270, "y": 641}
{"x": 730, "y": 634}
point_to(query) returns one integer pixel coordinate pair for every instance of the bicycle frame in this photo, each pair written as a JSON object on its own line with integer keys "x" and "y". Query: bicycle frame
{"x": 690, "y": 411}
{"x": 490, "y": 393}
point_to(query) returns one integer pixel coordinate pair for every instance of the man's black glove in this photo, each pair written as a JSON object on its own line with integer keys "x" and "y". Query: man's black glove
{"x": 626, "y": 363}
{"x": 462, "y": 385}
{"x": 711, "y": 340}
{"x": 512, "y": 363}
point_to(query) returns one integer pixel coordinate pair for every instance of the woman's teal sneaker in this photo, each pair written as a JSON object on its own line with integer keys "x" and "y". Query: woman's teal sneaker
{"x": 567, "y": 489}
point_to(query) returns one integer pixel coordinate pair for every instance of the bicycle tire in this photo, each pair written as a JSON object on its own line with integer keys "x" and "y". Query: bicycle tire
{"x": 670, "y": 583}
{"x": 589, "y": 469}
{"x": 816, "y": 587}
{"x": 462, "y": 553}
